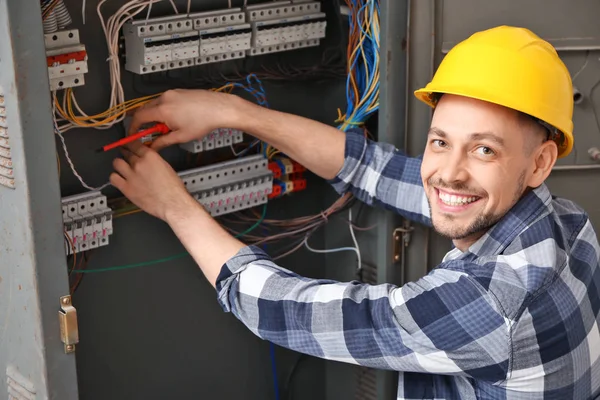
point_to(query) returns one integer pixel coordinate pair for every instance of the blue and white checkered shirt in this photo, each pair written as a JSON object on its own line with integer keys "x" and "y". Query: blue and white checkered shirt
{"x": 514, "y": 317}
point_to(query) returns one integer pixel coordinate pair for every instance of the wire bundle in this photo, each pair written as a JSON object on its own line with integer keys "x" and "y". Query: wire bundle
{"x": 362, "y": 84}
{"x": 55, "y": 15}
{"x": 362, "y": 93}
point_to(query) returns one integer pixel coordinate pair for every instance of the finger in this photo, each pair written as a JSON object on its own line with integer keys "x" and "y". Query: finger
{"x": 122, "y": 168}
{"x": 164, "y": 141}
{"x": 137, "y": 148}
{"x": 117, "y": 181}
{"x": 149, "y": 112}
{"x": 129, "y": 156}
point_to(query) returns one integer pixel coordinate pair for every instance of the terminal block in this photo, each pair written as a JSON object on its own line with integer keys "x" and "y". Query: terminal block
{"x": 166, "y": 43}
{"x": 87, "y": 222}
{"x": 284, "y": 25}
{"x": 216, "y": 139}
{"x": 230, "y": 186}
{"x": 66, "y": 58}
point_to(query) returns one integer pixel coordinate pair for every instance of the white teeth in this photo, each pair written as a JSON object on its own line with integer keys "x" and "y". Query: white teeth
{"x": 454, "y": 200}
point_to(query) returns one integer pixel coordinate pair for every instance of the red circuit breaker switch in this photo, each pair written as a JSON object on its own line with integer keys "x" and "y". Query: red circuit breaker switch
{"x": 66, "y": 59}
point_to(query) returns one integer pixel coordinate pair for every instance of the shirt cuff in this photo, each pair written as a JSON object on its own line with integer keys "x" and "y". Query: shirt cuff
{"x": 235, "y": 265}
{"x": 356, "y": 145}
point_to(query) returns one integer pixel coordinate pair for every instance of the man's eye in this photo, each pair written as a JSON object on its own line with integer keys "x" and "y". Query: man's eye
{"x": 485, "y": 151}
{"x": 438, "y": 143}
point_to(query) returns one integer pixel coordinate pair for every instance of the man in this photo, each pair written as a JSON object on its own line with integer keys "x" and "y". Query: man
{"x": 512, "y": 310}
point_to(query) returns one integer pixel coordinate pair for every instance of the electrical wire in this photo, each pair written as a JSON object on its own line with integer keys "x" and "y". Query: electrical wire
{"x": 165, "y": 259}
{"x": 359, "y": 261}
{"x": 362, "y": 93}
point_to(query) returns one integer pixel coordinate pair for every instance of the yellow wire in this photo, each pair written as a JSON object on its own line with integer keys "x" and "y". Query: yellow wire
{"x": 112, "y": 113}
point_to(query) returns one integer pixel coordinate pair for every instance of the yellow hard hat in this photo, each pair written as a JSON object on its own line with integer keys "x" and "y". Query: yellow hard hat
{"x": 514, "y": 68}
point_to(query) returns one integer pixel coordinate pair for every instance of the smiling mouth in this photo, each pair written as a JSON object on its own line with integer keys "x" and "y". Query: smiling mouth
{"x": 456, "y": 200}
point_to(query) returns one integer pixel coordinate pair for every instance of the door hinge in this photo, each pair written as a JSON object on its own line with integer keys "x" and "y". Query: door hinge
{"x": 69, "y": 331}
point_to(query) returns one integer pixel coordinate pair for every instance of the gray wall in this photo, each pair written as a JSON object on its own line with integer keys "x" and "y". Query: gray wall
{"x": 571, "y": 26}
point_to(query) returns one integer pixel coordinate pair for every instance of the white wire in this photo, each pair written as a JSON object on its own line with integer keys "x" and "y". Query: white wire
{"x": 83, "y": 11}
{"x": 354, "y": 239}
{"x": 66, "y": 151}
{"x": 326, "y": 251}
{"x": 355, "y": 249}
{"x": 234, "y": 152}
{"x": 148, "y": 14}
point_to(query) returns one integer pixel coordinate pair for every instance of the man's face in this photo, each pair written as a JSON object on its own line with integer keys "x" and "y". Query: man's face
{"x": 474, "y": 168}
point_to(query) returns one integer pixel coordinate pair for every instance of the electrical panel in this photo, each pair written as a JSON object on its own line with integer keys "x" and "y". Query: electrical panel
{"x": 6, "y": 166}
{"x": 230, "y": 186}
{"x": 167, "y": 43}
{"x": 283, "y": 26}
{"x": 87, "y": 222}
{"x": 218, "y": 138}
{"x": 66, "y": 58}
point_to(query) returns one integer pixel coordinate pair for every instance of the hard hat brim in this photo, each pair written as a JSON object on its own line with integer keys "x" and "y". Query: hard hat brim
{"x": 426, "y": 95}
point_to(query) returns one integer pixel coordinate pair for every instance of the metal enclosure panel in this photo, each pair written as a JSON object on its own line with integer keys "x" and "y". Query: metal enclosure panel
{"x": 391, "y": 129}
{"x": 436, "y": 25}
{"x": 566, "y": 24}
{"x": 32, "y": 260}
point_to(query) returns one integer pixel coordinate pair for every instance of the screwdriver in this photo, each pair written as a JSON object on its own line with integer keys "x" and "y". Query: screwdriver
{"x": 158, "y": 128}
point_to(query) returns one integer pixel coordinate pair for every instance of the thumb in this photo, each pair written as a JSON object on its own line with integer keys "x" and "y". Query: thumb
{"x": 165, "y": 141}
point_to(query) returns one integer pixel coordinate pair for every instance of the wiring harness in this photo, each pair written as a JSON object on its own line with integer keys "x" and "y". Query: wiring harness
{"x": 362, "y": 95}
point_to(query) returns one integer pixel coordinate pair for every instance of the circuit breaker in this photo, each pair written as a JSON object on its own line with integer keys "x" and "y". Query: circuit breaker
{"x": 87, "y": 222}
{"x": 173, "y": 42}
{"x": 217, "y": 139}
{"x": 283, "y": 25}
{"x": 66, "y": 58}
{"x": 230, "y": 186}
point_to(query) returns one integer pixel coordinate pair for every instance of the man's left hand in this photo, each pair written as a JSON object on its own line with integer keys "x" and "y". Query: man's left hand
{"x": 149, "y": 182}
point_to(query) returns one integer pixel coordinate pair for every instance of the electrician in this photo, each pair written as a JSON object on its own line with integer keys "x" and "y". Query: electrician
{"x": 511, "y": 312}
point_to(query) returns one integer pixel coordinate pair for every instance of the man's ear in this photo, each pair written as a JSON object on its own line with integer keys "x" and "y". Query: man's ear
{"x": 543, "y": 161}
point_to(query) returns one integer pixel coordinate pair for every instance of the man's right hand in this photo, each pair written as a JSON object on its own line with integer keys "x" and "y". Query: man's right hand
{"x": 193, "y": 114}
{"x": 189, "y": 114}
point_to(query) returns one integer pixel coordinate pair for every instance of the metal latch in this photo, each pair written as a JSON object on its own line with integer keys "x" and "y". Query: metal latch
{"x": 69, "y": 332}
{"x": 401, "y": 239}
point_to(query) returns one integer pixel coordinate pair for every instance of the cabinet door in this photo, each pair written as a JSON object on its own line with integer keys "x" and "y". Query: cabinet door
{"x": 34, "y": 361}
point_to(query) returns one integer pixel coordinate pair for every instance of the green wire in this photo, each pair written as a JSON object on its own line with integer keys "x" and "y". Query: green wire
{"x": 170, "y": 258}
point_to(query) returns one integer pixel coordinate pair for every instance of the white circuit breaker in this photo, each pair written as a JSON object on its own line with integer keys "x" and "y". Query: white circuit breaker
{"x": 218, "y": 138}
{"x": 87, "y": 221}
{"x": 284, "y": 25}
{"x": 66, "y": 58}
{"x": 230, "y": 186}
{"x": 165, "y": 43}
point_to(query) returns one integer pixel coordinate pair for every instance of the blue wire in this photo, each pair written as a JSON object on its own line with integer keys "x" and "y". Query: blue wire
{"x": 274, "y": 370}
{"x": 364, "y": 59}
{"x": 261, "y": 98}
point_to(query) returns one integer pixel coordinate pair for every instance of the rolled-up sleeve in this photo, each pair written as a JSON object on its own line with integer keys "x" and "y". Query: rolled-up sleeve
{"x": 444, "y": 323}
{"x": 379, "y": 174}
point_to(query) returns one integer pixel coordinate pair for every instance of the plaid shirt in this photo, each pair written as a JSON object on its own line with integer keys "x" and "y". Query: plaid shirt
{"x": 514, "y": 317}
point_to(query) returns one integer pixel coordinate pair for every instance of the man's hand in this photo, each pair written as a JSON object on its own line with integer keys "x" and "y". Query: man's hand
{"x": 149, "y": 182}
{"x": 146, "y": 179}
{"x": 190, "y": 114}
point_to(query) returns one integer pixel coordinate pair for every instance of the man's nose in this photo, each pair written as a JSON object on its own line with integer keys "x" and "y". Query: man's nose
{"x": 454, "y": 168}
